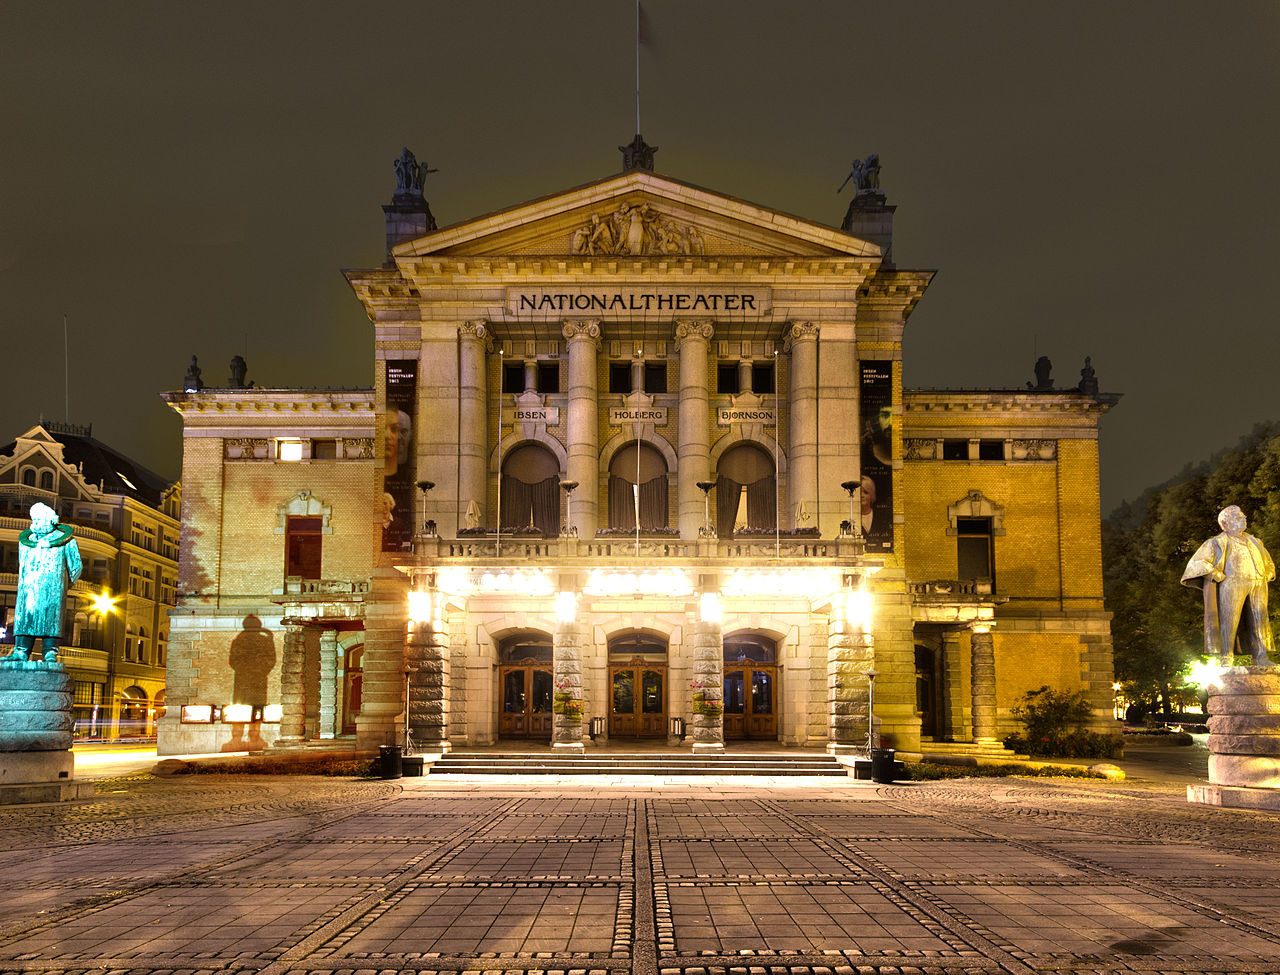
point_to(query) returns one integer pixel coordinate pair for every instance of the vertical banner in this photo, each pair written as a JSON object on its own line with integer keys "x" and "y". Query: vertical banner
{"x": 876, "y": 410}
{"x": 399, "y": 468}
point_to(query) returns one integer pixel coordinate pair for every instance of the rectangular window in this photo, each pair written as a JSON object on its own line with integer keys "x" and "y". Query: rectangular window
{"x": 990, "y": 450}
{"x": 762, "y": 377}
{"x": 289, "y": 450}
{"x": 975, "y": 552}
{"x": 655, "y": 377}
{"x": 619, "y": 377}
{"x": 302, "y": 546}
{"x": 955, "y": 450}
{"x": 513, "y": 377}
{"x": 324, "y": 450}
{"x": 548, "y": 377}
{"x": 727, "y": 378}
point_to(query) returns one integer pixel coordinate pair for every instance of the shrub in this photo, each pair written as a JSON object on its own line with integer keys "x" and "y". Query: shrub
{"x": 1052, "y": 720}
{"x": 928, "y": 771}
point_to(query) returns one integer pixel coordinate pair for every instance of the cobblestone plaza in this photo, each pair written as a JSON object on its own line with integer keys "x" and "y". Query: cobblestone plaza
{"x": 696, "y": 877}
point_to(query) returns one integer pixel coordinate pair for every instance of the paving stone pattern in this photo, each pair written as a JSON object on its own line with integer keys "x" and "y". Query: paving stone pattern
{"x": 574, "y": 877}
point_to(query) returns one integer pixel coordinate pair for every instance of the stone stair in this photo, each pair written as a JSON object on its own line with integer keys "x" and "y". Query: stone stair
{"x": 967, "y": 749}
{"x": 637, "y": 763}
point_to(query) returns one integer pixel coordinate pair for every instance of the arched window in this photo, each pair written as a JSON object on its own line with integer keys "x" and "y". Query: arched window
{"x": 638, "y": 463}
{"x": 162, "y": 649}
{"x": 46, "y": 480}
{"x": 746, "y": 491}
{"x": 29, "y": 477}
{"x": 142, "y": 645}
{"x": 531, "y": 490}
{"x": 128, "y": 642}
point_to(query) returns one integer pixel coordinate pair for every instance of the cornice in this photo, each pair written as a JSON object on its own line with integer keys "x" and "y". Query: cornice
{"x": 984, "y": 401}
{"x": 354, "y": 404}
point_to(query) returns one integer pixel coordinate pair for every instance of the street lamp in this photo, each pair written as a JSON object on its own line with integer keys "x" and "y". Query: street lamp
{"x": 570, "y": 530}
{"x": 855, "y": 522}
{"x": 705, "y": 487}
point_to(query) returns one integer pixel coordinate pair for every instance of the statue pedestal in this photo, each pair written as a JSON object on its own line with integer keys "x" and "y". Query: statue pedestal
{"x": 36, "y": 763}
{"x": 1244, "y": 741}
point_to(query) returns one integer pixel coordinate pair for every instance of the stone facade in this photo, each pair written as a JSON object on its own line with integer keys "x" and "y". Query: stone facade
{"x": 724, "y": 376}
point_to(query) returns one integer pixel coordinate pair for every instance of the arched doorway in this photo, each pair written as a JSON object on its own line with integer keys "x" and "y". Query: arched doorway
{"x": 637, "y": 686}
{"x": 525, "y": 690}
{"x": 133, "y": 712}
{"x": 746, "y": 491}
{"x": 750, "y": 687}
{"x": 352, "y": 687}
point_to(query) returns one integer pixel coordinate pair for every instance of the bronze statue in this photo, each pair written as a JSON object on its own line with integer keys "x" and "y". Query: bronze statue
{"x": 410, "y": 175}
{"x": 192, "y": 382}
{"x": 865, "y": 174}
{"x": 1233, "y": 570}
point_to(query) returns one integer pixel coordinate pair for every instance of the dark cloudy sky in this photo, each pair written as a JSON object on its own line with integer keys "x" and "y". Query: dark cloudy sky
{"x": 1091, "y": 179}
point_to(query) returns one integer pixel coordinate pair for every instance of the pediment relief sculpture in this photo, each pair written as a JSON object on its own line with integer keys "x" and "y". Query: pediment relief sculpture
{"x": 636, "y": 230}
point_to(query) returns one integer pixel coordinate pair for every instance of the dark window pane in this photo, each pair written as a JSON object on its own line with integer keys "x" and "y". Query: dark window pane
{"x": 990, "y": 450}
{"x": 302, "y": 547}
{"x": 624, "y": 697}
{"x": 513, "y": 377}
{"x": 761, "y": 692}
{"x": 734, "y": 693}
{"x": 762, "y": 377}
{"x": 655, "y": 377}
{"x": 548, "y": 377}
{"x": 513, "y": 692}
{"x": 973, "y": 526}
{"x": 955, "y": 450}
{"x": 619, "y": 377}
{"x": 324, "y": 450}
{"x": 727, "y": 378}
{"x": 541, "y": 691}
{"x": 974, "y": 557}
{"x": 651, "y": 692}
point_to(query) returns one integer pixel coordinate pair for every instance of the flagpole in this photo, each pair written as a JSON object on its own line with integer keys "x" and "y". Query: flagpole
{"x": 501, "y": 370}
{"x": 777, "y": 476}
{"x": 637, "y": 67}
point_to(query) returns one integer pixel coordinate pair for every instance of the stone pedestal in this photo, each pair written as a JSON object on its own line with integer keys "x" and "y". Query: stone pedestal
{"x": 982, "y": 684}
{"x": 708, "y": 674}
{"x": 1244, "y": 740}
{"x": 293, "y": 697}
{"x": 36, "y": 763}
{"x": 427, "y": 662}
{"x": 566, "y": 734}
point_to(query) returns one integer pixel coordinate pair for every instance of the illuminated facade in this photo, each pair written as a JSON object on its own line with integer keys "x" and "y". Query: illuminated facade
{"x": 635, "y": 452}
{"x": 116, "y": 622}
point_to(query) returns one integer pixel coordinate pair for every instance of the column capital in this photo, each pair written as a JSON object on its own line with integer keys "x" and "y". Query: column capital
{"x": 477, "y": 331}
{"x": 798, "y": 331}
{"x": 582, "y": 328}
{"x": 693, "y": 329}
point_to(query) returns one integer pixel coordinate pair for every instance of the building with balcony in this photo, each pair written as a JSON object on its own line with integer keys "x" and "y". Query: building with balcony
{"x": 116, "y": 622}
{"x": 637, "y": 458}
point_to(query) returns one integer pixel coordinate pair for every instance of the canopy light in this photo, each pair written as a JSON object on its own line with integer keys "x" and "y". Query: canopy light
{"x": 663, "y": 582}
{"x": 527, "y": 582}
{"x": 709, "y": 607}
{"x": 859, "y": 609}
{"x": 420, "y": 606}
{"x": 566, "y": 607}
{"x": 796, "y": 582}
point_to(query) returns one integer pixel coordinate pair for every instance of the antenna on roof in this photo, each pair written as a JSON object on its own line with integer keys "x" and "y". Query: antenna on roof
{"x": 66, "y": 369}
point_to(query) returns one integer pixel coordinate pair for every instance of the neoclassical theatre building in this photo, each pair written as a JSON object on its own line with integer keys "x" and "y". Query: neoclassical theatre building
{"x": 637, "y": 463}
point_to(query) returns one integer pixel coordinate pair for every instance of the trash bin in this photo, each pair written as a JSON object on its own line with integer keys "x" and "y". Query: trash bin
{"x": 882, "y": 762}
{"x": 391, "y": 761}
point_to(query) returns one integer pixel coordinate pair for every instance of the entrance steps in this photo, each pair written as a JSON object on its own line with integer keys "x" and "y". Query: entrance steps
{"x": 637, "y": 763}
{"x": 967, "y": 749}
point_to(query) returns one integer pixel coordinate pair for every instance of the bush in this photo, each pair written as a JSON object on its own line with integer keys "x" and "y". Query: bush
{"x": 929, "y": 771}
{"x": 1052, "y": 720}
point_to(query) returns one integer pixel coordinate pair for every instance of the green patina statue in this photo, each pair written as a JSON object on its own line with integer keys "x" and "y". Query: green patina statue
{"x": 48, "y": 561}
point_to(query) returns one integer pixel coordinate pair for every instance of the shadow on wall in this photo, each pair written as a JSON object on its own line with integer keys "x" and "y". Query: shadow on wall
{"x": 252, "y": 658}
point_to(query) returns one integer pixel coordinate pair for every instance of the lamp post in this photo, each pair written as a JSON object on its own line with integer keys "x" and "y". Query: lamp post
{"x": 706, "y": 531}
{"x": 428, "y": 527}
{"x": 855, "y": 522}
{"x": 570, "y": 530}
{"x": 873, "y": 736}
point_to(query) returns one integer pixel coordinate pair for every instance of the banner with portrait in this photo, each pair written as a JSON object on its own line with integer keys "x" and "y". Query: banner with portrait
{"x": 399, "y": 472}
{"x": 876, "y": 494}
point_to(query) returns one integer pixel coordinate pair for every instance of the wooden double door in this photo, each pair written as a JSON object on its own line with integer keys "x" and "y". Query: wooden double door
{"x": 527, "y": 694}
{"x": 638, "y": 700}
{"x": 750, "y": 701}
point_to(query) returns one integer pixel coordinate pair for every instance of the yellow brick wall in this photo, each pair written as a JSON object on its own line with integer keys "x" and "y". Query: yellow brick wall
{"x": 1081, "y": 524}
{"x": 198, "y": 545}
{"x": 254, "y": 555}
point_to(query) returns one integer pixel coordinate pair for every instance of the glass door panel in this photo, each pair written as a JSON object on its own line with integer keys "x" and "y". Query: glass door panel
{"x": 540, "y": 705}
{"x": 735, "y": 704}
{"x": 653, "y": 704}
{"x": 762, "y": 723}
{"x": 513, "y": 723}
{"x": 622, "y": 715}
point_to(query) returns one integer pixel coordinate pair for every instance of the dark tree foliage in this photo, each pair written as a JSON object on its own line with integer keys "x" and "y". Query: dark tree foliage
{"x": 1158, "y": 624}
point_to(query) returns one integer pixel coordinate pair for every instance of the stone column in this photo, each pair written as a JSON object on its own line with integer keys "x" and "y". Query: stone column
{"x": 583, "y": 426}
{"x": 850, "y": 655}
{"x": 693, "y": 457}
{"x": 744, "y": 375}
{"x": 983, "y": 684}
{"x": 293, "y": 697}
{"x": 708, "y": 673}
{"x": 566, "y": 734}
{"x": 427, "y": 661}
{"x": 802, "y": 426}
{"x": 329, "y": 650}
{"x": 473, "y": 418}
{"x": 955, "y": 723}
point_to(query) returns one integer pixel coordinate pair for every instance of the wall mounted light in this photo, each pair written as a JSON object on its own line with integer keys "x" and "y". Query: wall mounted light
{"x": 709, "y": 607}
{"x": 566, "y": 607}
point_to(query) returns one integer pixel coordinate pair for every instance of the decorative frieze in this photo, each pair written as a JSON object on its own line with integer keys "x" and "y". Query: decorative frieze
{"x": 1034, "y": 449}
{"x": 636, "y": 230}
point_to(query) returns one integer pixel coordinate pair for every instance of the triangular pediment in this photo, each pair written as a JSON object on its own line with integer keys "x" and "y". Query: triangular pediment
{"x": 638, "y": 214}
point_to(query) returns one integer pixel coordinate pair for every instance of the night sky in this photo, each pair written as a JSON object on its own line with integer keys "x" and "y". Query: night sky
{"x": 1090, "y": 179}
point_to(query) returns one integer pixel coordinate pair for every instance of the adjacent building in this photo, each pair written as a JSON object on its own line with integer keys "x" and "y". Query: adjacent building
{"x": 116, "y": 623}
{"x": 636, "y": 463}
